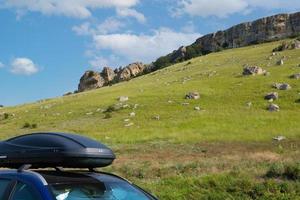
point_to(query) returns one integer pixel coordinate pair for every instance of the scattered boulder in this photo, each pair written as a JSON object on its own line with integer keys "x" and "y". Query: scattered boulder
{"x": 156, "y": 117}
{"x": 272, "y": 95}
{"x": 280, "y": 62}
{"x": 282, "y": 86}
{"x": 132, "y": 114}
{"x": 192, "y": 95}
{"x": 295, "y": 76}
{"x": 295, "y": 44}
{"x": 185, "y": 103}
{"x": 249, "y": 104}
{"x": 273, "y": 108}
{"x": 197, "y": 108}
{"x": 123, "y": 98}
{"x": 253, "y": 70}
{"x": 279, "y": 138}
{"x": 129, "y": 124}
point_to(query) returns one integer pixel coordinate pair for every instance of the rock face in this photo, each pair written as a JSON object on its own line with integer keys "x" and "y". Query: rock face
{"x": 262, "y": 30}
{"x": 90, "y": 80}
{"x": 93, "y": 80}
{"x": 130, "y": 71}
{"x": 108, "y": 74}
{"x": 253, "y": 70}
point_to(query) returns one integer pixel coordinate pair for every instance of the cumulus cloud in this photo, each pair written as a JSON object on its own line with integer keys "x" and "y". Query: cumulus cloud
{"x": 23, "y": 66}
{"x": 108, "y": 26}
{"x": 1, "y": 65}
{"x": 224, "y": 8}
{"x": 98, "y": 61}
{"x": 141, "y": 47}
{"x": 205, "y": 8}
{"x": 70, "y": 8}
{"x": 292, "y": 5}
{"x": 128, "y": 12}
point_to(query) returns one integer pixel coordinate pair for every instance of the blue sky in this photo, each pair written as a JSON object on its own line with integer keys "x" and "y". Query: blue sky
{"x": 46, "y": 45}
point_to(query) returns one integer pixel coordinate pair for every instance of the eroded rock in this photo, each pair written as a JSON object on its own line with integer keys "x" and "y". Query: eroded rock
{"x": 253, "y": 70}
{"x": 192, "y": 95}
{"x": 272, "y": 95}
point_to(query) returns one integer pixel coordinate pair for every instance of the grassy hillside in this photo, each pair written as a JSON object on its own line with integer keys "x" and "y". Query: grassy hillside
{"x": 225, "y": 139}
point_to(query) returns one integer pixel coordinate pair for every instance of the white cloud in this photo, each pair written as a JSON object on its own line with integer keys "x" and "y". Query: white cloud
{"x": 224, "y": 8}
{"x": 23, "y": 66}
{"x": 98, "y": 62}
{"x": 83, "y": 29}
{"x": 275, "y": 4}
{"x": 70, "y": 8}
{"x": 205, "y": 8}
{"x": 128, "y": 12}
{"x": 144, "y": 48}
{"x": 110, "y": 25}
{"x": 1, "y": 65}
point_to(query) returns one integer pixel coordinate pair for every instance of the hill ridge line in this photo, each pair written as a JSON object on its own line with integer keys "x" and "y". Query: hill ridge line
{"x": 262, "y": 30}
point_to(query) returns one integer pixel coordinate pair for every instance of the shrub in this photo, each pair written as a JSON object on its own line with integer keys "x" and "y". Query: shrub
{"x": 6, "y": 115}
{"x": 107, "y": 116}
{"x": 276, "y": 170}
{"x": 28, "y": 125}
{"x": 292, "y": 171}
{"x": 282, "y": 47}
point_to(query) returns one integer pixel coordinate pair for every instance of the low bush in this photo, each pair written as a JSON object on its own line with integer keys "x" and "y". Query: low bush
{"x": 28, "y": 125}
{"x": 287, "y": 171}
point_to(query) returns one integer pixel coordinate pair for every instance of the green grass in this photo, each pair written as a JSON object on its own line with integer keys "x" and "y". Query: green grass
{"x": 224, "y": 136}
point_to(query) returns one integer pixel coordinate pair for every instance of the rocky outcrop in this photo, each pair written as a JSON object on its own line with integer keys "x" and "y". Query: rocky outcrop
{"x": 266, "y": 29}
{"x": 93, "y": 80}
{"x": 90, "y": 80}
{"x": 262, "y": 30}
{"x": 108, "y": 74}
{"x": 130, "y": 71}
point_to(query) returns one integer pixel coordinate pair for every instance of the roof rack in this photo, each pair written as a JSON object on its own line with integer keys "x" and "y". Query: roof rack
{"x": 24, "y": 167}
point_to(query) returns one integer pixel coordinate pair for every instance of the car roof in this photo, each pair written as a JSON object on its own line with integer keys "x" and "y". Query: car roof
{"x": 49, "y": 177}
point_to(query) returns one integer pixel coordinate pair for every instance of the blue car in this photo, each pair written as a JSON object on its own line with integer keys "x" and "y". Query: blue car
{"x": 61, "y": 185}
{"x": 43, "y": 168}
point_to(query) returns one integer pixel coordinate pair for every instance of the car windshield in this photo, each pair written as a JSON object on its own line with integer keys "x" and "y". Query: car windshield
{"x": 97, "y": 191}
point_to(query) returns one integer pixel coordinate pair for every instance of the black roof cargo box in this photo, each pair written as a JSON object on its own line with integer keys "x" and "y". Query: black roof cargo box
{"x": 54, "y": 150}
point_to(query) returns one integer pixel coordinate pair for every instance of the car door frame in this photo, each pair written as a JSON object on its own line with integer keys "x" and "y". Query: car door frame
{"x": 14, "y": 185}
{"x": 8, "y": 188}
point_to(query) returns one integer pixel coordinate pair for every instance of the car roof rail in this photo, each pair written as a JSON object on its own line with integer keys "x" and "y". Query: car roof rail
{"x": 24, "y": 167}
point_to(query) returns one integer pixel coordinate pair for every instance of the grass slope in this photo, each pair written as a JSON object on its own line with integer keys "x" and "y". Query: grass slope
{"x": 225, "y": 137}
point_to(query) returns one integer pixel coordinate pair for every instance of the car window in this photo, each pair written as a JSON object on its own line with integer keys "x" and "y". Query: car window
{"x": 23, "y": 191}
{"x": 98, "y": 191}
{"x": 3, "y": 186}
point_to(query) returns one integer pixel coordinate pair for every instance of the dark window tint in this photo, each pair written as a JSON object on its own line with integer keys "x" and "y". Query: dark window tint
{"x": 24, "y": 192}
{"x": 3, "y": 186}
{"x": 98, "y": 191}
